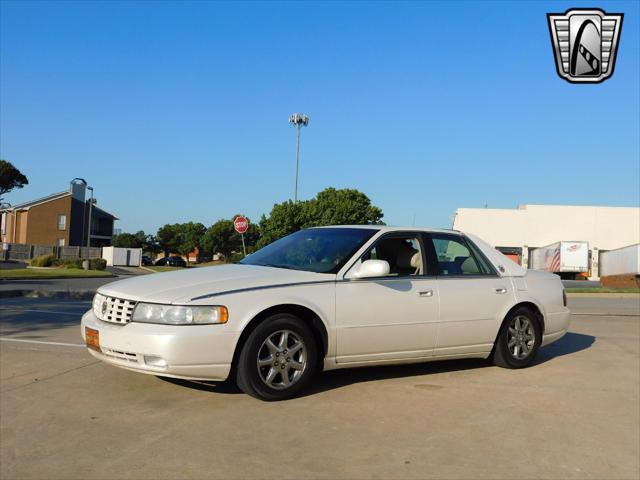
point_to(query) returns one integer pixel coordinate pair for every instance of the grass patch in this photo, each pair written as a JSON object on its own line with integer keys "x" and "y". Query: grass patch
{"x": 18, "y": 273}
{"x": 603, "y": 290}
{"x": 213, "y": 263}
{"x": 164, "y": 268}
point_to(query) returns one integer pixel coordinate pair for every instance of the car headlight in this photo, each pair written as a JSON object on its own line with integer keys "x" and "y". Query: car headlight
{"x": 178, "y": 315}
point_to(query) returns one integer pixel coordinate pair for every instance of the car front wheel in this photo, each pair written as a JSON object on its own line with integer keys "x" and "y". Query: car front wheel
{"x": 278, "y": 358}
{"x": 519, "y": 340}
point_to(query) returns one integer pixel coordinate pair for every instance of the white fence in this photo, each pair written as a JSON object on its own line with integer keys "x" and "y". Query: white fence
{"x": 122, "y": 257}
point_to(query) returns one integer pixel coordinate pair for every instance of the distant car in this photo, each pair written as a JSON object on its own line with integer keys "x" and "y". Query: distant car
{"x": 331, "y": 297}
{"x": 146, "y": 260}
{"x": 161, "y": 262}
{"x": 175, "y": 261}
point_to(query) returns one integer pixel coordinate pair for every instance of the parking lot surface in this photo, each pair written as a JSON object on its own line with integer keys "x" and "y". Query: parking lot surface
{"x": 574, "y": 414}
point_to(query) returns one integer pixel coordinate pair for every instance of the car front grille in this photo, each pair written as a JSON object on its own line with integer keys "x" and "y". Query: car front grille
{"x": 111, "y": 309}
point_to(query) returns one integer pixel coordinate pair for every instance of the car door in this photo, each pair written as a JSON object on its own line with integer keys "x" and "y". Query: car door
{"x": 472, "y": 295}
{"x": 390, "y": 317}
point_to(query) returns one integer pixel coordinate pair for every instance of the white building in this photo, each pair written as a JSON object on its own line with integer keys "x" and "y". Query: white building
{"x": 518, "y": 231}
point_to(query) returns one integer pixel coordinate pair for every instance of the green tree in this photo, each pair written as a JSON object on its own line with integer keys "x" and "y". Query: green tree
{"x": 125, "y": 240}
{"x": 222, "y": 238}
{"x": 191, "y": 235}
{"x": 148, "y": 243}
{"x": 330, "y": 207}
{"x": 285, "y": 218}
{"x": 10, "y": 178}
{"x": 341, "y": 207}
{"x": 151, "y": 245}
{"x": 169, "y": 238}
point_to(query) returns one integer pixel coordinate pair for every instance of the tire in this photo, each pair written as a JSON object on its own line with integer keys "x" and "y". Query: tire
{"x": 519, "y": 339}
{"x": 278, "y": 359}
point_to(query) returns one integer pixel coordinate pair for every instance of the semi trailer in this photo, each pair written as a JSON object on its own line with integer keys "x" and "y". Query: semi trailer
{"x": 567, "y": 259}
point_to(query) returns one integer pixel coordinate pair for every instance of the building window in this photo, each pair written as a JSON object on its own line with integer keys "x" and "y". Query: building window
{"x": 3, "y": 229}
{"x": 62, "y": 222}
{"x": 60, "y": 242}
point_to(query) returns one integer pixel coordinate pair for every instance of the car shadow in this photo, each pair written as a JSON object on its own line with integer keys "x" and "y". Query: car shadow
{"x": 570, "y": 343}
{"x": 335, "y": 379}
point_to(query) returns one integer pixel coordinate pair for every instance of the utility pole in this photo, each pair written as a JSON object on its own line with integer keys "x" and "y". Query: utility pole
{"x": 298, "y": 120}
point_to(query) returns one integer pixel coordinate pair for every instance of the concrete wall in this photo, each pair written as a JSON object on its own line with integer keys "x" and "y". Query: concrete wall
{"x": 532, "y": 226}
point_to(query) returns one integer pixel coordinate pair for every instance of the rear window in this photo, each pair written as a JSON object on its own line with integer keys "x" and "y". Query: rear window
{"x": 457, "y": 257}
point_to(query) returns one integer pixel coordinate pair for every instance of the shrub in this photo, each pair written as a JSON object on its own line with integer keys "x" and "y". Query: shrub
{"x": 75, "y": 263}
{"x": 235, "y": 257}
{"x": 43, "y": 261}
{"x": 97, "y": 264}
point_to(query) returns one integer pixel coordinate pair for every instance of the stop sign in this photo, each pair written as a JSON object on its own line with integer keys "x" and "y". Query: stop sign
{"x": 241, "y": 224}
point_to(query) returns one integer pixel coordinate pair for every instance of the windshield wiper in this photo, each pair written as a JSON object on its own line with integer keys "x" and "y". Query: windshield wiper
{"x": 279, "y": 265}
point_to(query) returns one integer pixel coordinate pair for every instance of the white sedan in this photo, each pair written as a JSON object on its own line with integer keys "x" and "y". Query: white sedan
{"x": 328, "y": 298}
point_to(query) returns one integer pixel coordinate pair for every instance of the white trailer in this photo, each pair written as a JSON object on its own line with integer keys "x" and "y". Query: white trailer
{"x": 124, "y": 257}
{"x": 621, "y": 261}
{"x": 561, "y": 257}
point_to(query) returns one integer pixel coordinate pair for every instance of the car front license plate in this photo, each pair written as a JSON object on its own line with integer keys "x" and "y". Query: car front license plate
{"x": 92, "y": 338}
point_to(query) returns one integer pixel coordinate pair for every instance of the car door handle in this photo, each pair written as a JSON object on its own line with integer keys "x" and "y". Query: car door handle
{"x": 426, "y": 293}
{"x": 501, "y": 290}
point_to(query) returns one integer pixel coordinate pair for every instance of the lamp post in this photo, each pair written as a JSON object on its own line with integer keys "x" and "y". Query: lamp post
{"x": 298, "y": 120}
{"x": 90, "y": 209}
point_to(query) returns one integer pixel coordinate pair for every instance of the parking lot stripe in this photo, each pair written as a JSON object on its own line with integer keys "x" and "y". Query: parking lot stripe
{"x": 61, "y": 344}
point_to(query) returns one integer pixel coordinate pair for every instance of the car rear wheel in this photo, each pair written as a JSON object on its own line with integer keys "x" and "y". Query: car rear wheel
{"x": 519, "y": 340}
{"x": 278, "y": 358}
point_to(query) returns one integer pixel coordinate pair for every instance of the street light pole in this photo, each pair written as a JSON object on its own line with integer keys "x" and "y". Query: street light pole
{"x": 298, "y": 120}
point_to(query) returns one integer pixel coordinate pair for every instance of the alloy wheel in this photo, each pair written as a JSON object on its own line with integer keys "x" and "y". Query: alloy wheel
{"x": 282, "y": 359}
{"x": 521, "y": 337}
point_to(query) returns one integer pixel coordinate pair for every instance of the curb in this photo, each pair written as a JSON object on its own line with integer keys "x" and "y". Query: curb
{"x": 63, "y": 294}
{"x": 55, "y": 278}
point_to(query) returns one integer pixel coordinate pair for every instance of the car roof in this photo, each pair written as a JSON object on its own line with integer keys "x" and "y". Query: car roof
{"x": 388, "y": 228}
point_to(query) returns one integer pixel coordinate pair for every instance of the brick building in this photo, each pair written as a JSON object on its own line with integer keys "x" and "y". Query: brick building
{"x": 60, "y": 219}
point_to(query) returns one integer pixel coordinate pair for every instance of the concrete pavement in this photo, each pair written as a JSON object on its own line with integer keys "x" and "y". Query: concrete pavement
{"x": 573, "y": 415}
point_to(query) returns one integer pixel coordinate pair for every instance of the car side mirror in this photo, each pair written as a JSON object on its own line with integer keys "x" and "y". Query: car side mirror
{"x": 372, "y": 268}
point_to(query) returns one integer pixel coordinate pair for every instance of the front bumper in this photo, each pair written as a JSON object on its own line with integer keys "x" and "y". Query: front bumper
{"x": 192, "y": 352}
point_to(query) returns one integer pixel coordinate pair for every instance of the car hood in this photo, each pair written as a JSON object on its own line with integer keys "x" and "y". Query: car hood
{"x": 185, "y": 285}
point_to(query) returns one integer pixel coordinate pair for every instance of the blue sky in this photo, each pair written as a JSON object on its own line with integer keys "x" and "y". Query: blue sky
{"x": 178, "y": 111}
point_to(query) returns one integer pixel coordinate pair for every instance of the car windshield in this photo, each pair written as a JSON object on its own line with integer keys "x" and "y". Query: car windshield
{"x": 320, "y": 250}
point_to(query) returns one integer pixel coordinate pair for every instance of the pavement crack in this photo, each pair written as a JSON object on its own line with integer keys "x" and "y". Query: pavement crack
{"x": 50, "y": 377}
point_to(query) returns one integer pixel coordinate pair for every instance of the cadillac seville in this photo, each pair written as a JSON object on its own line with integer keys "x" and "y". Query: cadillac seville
{"x": 329, "y": 298}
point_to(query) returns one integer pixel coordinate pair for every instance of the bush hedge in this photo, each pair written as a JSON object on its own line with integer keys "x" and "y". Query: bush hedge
{"x": 76, "y": 263}
{"x": 52, "y": 261}
{"x": 97, "y": 264}
{"x": 43, "y": 261}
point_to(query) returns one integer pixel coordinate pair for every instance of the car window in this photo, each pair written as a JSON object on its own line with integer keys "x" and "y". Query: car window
{"x": 321, "y": 250}
{"x": 456, "y": 257}
{"x": 403, "y": 253}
